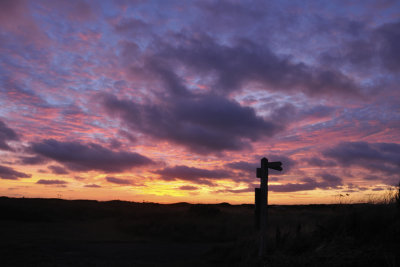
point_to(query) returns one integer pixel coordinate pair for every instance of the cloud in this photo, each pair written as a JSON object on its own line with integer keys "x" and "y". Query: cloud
{"x": 92, "y": 186}
{"x": 85, "y": 157}
{"x": 51, "y": 182}
{"x": 328, "y": 182}
{"x": 315, "y": 161}
{"x": 382, "y": 157}
{"x": 203, "y": 123}
{"x": 238, "y": 64}
{"x": 15, "y": 16}
{"x": 287, "y": 163}
{"x": 371, "y": 178}
{"x": 133, "y": 27}
{"x": 195, "y": 175}
{"x": 11, "y": 174}
{"x": 6, "y": 134}
{"x": 389, "y": 45}
{"x": 188, "y": 188}
{"x": 293, "y": 187}
{"x": 118, "y": 181}
{"x": 375, "y": 47}
{"x": 78, "y": 10}
{"x": 316, "y": 112}
{"x": 249, "y": 167}
{"x": 238, "y": 191}
{"x": 57, "y": 169}
{"x": 32, "y": 160}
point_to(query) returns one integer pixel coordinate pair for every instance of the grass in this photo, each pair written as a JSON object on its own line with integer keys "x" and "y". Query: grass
{"x": 54, "y": 232}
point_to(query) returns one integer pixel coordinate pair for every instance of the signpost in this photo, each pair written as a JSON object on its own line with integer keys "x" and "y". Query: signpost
{"x": 261, "y": 199}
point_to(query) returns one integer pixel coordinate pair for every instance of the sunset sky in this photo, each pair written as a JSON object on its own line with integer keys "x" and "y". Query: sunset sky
{"x": 170, "y": 101}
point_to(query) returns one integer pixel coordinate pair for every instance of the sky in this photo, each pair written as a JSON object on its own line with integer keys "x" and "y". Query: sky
{"x": 177, "y": 101}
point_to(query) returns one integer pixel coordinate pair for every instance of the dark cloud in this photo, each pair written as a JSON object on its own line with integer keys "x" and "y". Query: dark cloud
{"x": 11, "y": 174}
{"x": 51, "y": 182}
{"x": 315, "y": 161}
{"x": 318, "y": 111}
{"x": 372, "y": 178}
{"x": 128, "y": 136}
{"x": 287, "y": 163}
{"x": 226, "y": 15}
{"x": 32, "y": 160}
{"x": 15, "y": 17}
{"x": 376, "y": 47}
{"x": 249, "y": 167}
{"x": 92, "y": 185}
{"x": 133, "y": 27}
{"x": 293, "y": 187}
{"x": 202, "y": 123}
{"x": 79, "y": 10}
{"x": 17, "y": 90}
{"x": 288, "y": 113}
{"x": 383, "y": 157}
{"x": 85, "y": 157}
{"x": 208, "y": 122}
{"x": 6, "y": 134}
{"x": 57, "y": 169}
{"x": 119, "y": 181}
{"x": 114, "y": 143}
{"x": 389, "y": 45}
{"x": 243, "y": 62}
{"x": 188, "y": 188}
{"x": 195, "y": 175}
{"x": 328, "y": 182}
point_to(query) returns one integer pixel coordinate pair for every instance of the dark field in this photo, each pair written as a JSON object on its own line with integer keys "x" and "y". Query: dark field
{"x": 54, "y": 232}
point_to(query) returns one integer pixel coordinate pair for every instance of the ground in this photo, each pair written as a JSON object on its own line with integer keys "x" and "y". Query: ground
{"x": 55, "y": 232}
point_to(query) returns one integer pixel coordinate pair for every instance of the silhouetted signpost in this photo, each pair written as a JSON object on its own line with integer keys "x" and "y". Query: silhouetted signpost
{"x": 261, "y": 199}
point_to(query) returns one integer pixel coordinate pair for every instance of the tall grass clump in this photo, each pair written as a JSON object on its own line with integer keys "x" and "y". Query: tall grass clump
{"x": 397, "y": 196}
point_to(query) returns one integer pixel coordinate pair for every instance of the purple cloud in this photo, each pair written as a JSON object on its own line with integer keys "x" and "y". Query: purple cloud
{"x": 250, "y": 167}
{"x": 51, "y": 182}
{"x": 188, "y": 188}
{"x": 11, "y": 174}
{"x": 315, "y": 161}
{"x": 92, "y": 186}
{"x": 383, "y": 157}
{"x": 328, "y": 182}
{"x": 6, "y": 134}
{"x": 85, "y": 157}
{"x": 293, "y": 187}
{"x": 119, "y": 181}
{"x": 243, "y": 166}
{"x": 195, "y": 175}
{"x": 57, "y": 169}
{"x": 250, "y": 62}
{"x": 32, "y": 160}
{"x": 375, "y": 47}
{"x": 204, "y": 123}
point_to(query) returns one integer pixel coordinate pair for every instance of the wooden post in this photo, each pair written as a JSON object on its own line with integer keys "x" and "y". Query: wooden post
{"x": 257, "y": 210}
{"x": 262, "y": 206}
{"x": 263, "y": 172}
